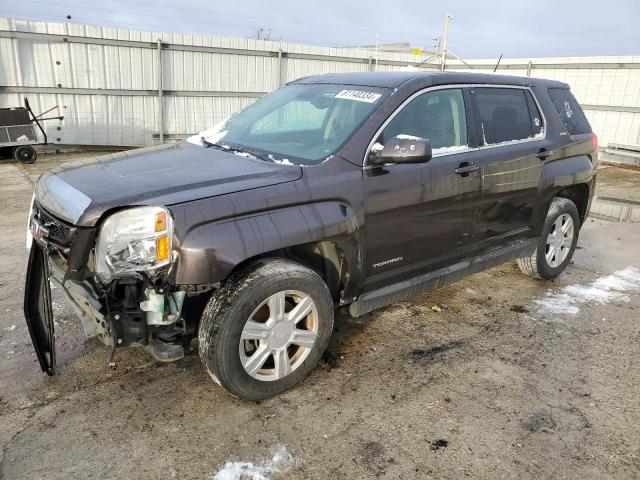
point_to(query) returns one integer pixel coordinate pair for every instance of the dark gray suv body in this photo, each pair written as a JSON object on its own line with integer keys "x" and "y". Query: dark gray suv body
{"x": 354, "y": 190}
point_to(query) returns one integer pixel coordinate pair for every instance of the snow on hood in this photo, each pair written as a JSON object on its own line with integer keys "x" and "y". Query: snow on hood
{"x": 216, "y": 133}
{"x": 212, "y": 135}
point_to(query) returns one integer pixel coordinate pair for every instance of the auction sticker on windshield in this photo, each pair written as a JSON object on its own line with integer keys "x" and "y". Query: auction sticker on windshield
{"x": 358, "y": 96}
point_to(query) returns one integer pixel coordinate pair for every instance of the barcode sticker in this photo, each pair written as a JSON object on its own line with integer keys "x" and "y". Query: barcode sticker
{"x": 359, "y": 96}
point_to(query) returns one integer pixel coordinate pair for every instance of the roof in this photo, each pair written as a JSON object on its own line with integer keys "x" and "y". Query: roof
{"x": 424, "y": 79}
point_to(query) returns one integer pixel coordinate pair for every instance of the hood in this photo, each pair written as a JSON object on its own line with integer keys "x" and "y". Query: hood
{"x": 80, "y": 192}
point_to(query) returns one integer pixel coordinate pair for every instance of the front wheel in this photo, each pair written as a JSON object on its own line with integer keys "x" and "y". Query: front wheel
{"x": 266, "y": 328}
{"x": 557, "y": 242}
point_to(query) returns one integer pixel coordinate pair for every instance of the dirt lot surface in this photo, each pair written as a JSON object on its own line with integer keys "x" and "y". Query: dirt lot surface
{"x": 513, "y": 378}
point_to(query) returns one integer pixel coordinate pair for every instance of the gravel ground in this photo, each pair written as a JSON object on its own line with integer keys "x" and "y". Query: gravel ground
{"x": 506, "y": 377}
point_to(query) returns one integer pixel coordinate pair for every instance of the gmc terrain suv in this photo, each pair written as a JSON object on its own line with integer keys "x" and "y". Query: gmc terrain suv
{"x": 343, "y": 190}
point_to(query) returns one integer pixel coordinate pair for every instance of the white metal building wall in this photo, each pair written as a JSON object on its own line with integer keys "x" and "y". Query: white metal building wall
{"x": 106, "y": 81}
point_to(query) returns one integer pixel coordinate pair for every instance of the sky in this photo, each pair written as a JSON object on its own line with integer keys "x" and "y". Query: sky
{"x": 479, "y": 29}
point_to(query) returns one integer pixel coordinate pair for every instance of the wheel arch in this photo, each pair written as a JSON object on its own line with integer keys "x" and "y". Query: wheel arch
{"x": 324, "y": 236}
{"x": 579, "y": 194}
{"x": 572, "y": 178}
{"x": 324, "y": 257}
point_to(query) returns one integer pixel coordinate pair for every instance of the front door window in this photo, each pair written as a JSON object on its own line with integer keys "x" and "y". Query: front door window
{"x": 438, "y": 116}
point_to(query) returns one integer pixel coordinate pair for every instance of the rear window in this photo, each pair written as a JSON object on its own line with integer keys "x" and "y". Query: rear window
{"x": 505, "y": 114}
{"x": 570, "y": 111}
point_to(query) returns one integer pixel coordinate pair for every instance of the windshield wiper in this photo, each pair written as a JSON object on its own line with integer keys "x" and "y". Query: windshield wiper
{"x": 253, "y": 153}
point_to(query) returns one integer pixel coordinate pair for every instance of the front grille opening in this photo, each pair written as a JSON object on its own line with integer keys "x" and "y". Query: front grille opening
{"x": 59, "y": 231}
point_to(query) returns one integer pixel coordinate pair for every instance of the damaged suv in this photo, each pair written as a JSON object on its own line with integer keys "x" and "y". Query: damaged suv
{"x": 342, "y": 190}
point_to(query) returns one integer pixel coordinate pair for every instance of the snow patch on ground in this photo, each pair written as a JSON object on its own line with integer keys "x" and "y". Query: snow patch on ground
{"x": 281, "y": 462}
{"x": 602, "y": 290}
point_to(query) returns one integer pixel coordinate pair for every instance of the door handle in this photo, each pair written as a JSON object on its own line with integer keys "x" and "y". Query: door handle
{"x": 542, "y": 154}
{"x": 466, "y": 168}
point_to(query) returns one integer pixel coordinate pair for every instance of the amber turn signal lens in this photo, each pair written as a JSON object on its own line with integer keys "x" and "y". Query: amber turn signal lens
{"x": 161, "y": 221}
{"x": 162, "y": 248}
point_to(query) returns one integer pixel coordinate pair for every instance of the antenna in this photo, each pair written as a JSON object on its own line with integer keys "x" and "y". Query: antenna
{"x": 496, "y": 67}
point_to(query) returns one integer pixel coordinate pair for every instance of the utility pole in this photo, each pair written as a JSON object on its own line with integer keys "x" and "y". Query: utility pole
{"x": 375, "y": 65}
{"x": 447, "y": 17}
{"x": 160, "y": 92}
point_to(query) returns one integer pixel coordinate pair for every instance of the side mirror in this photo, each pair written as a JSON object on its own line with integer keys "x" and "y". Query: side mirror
{"x": 401, "y": 149}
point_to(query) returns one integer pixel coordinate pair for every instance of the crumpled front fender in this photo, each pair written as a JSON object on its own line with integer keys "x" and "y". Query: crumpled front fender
{"x": 208, "y": 252}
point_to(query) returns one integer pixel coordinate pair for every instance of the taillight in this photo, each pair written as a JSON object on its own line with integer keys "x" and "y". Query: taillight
{"x": 594, "y": 144}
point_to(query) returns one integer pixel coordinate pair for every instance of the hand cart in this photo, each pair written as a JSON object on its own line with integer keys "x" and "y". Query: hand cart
{"x": 18, "y": 131}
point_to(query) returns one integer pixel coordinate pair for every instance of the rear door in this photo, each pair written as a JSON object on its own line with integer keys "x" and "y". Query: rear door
{"x": 513, "y": 153}
{"x": 419, "y": 216}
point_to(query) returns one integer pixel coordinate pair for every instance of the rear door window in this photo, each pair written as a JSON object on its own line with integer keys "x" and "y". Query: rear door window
{"x": 504, "y": 114}
{"x": 570, "y": 111}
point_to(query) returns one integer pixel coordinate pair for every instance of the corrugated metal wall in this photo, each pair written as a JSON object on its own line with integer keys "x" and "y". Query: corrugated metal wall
{"x": 107, "y": 82}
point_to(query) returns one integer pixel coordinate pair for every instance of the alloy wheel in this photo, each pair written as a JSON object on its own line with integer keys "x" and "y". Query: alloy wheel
{"x": 559, "y": 240}
{"x": 279, "y": 335}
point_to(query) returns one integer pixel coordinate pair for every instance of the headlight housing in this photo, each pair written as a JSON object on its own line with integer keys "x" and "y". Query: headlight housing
{"x": 134, "y": 240}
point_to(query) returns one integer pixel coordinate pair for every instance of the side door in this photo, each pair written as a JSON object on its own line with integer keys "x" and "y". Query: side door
{"x": 420, "y": 216}
{"x": 513, "y": 150}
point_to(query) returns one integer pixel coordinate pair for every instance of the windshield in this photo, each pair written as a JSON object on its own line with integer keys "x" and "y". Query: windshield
{"x": 297, "y": 124}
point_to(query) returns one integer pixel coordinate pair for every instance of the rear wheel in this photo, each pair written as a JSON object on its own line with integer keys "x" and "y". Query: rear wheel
{"x": 556, "y": 244}
{"x": 266, "y": 328}
{"x": 25, "y": 154}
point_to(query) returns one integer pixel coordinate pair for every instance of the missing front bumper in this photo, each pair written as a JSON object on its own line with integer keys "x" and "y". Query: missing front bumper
{"x": 127, "y": 312}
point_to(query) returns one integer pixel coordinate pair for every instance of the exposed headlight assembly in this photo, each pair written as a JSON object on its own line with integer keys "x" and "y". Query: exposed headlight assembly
{"x": 134, "y": 240}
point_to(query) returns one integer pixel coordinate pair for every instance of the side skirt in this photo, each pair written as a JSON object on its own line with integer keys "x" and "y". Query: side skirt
{"x": 401, "y": 291}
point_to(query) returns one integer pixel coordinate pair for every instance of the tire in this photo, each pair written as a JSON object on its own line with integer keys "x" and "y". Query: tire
{"x": 25, "y": 154}
{"x": 538, "y": 265}
{"x": 257, "y": 292}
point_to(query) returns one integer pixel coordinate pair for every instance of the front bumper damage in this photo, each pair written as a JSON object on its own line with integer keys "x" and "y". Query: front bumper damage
{"x": 38, "y": 311}
{"x": 128, "y": 311}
